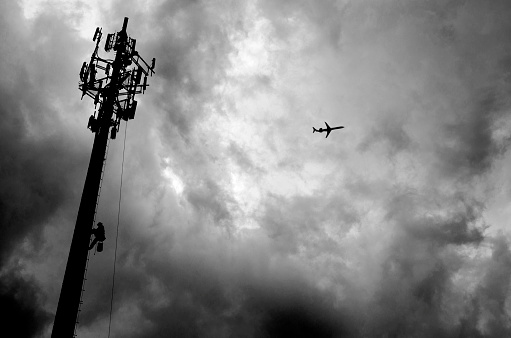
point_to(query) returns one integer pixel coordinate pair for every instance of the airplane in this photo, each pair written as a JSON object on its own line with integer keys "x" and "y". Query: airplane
{"x": 328, "y": 129}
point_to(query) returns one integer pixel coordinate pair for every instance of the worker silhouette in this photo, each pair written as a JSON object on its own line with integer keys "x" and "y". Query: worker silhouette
{"x": 99, "y": 236}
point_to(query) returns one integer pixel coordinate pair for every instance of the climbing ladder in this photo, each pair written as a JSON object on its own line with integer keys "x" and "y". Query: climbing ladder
{"x": 93, "y": 222}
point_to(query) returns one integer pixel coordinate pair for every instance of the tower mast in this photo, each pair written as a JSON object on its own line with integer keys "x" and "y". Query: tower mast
{"x": 114, "y": 93}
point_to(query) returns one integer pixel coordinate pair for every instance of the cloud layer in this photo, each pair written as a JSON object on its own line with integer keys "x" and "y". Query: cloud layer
{"x": 236, "y": 220}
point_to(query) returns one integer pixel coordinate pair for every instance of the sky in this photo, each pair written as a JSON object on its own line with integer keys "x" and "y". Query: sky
{"x": 236, "y": 220}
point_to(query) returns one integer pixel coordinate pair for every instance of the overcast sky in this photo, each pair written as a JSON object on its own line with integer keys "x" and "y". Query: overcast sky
{"x": 236, "y": 220}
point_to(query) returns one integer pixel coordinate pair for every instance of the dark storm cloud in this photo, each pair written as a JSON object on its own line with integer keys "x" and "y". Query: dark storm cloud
{"x": 194, "y": 299}
{"x": 35, "y": 163}
{"x": 39, "y": 162}
{"x": 20, "y": 307}
{"x": 297, "y": 310}
{"x": 469, "y": 147}
{"x": 458, "y": 227}
{"x": 415, "y": 289}
{"x": 463, "y": 132}
{"x": 490, "y": 299}
{"x": 191, "y": 287}
{"x": 175, "y": 275}
{"x": 415, "y": 285}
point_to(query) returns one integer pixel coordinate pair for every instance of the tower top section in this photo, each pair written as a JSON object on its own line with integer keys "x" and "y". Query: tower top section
{"x": 113, "y": 83}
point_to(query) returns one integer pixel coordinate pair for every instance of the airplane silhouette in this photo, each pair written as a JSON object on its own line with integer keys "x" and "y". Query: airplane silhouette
{"x": 328, "y": 129}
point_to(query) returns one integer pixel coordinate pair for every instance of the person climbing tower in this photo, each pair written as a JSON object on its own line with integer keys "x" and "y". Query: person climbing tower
{"x": 99, "y": 236}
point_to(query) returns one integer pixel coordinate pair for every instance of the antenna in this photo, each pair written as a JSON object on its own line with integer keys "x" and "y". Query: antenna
{"x": 115, "y": 95}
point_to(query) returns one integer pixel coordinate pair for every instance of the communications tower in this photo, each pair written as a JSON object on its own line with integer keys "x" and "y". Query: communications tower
{"x": 113, "y": 85}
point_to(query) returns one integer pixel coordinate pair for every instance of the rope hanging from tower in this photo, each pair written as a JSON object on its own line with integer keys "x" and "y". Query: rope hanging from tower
{"x": 117, "y": 231}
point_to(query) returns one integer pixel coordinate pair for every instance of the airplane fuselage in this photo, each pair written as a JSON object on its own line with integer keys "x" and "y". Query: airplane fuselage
{"x": 328, "y": 129}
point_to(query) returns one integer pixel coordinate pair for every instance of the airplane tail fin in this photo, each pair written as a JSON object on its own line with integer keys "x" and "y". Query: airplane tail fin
{"x": 314, "y": 130}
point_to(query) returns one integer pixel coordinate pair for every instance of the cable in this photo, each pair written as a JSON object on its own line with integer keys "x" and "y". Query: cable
{"x": 103, "y": 169}
{"x": 117, "y": 235}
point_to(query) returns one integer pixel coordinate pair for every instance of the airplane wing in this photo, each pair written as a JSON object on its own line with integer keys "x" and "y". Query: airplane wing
{"x": 327, "y": 126}
{"x": 328, "y": 132}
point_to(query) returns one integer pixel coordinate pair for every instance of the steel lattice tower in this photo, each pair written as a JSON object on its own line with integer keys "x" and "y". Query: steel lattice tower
{"x": 114, "y": 98}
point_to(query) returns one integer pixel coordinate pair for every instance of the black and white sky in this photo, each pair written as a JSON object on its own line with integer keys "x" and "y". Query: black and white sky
{"x": 236, "y": 220}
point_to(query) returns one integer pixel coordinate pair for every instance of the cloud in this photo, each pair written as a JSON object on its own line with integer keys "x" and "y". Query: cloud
{"x": 20, "y": 303}
{"x": 381, "y": 229}
{"x": 38, "y": 162}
